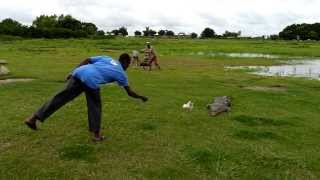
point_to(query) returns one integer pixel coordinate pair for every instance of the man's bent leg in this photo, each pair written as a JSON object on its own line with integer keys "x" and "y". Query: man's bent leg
{"x": 72, "y": 90}
{"x": 156, "y": 62}
{"x": 94, "y": 109}
{"x": 150, "y": 64}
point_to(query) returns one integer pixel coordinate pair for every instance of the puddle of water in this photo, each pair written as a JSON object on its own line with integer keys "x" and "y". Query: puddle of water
{"x": 247, "y": 55}
{"x": 238, "y": 55}
{"x": 306, "y": 68}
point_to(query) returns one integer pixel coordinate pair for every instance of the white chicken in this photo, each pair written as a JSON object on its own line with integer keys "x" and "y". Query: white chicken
{"x": 188, "y": 106}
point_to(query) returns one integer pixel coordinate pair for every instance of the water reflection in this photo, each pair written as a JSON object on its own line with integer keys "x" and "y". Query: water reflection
{"x": 307, "y": 68}
{"x": 247, "y": 55}
{"x": 237, "y": 55}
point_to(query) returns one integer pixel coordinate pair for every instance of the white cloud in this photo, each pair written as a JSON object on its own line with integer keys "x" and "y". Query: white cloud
{"x": 252, "y": 17}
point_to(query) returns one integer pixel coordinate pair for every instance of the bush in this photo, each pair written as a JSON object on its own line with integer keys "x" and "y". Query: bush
{"x": 208, "y": 33}
{"x": 301, "y": 32}
{"x": 137, "y": 33}
{"x": 193, "y": 35}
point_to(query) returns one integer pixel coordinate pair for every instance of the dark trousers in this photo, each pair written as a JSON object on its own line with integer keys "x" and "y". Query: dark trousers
{"x": 73, "y": 89}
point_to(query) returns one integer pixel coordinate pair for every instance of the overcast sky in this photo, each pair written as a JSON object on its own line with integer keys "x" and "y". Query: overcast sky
{"x": 252, "y": 17}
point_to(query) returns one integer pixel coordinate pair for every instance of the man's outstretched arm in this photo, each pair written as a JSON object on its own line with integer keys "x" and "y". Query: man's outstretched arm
{"x": 134, "y": 95}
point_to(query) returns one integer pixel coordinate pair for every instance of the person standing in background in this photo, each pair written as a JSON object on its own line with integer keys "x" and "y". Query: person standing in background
{"x": 150, "y": 55}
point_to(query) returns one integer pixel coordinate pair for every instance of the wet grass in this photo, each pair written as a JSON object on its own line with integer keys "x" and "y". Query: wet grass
{"x": 266, "y": 135}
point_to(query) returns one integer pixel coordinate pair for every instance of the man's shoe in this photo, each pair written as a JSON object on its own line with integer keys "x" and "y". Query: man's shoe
{"x": 97, "y": 139}
{"x": 31, "y": 122}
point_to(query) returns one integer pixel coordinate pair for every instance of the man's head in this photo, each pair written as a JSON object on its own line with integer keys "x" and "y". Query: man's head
{"x": 125, "y": 60}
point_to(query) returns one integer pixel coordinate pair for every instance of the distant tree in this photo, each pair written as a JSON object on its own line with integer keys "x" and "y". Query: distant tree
{"x": 69, "y": 22}
{"x": 289, "y": 32}
{"x": 49, "y": 27}
{"x": 181, "y": 34}
{"x": 123, "y": 31}
{"x": 100, "y": 33}
{"x": 229, "y": 34}
{"x": 149, "y": 32}
{"x": 301, "y": 32}
{"x": 137, "y": 33}
{"x": 115, "y": 32}
{"x": 11, "y": 27}
{"x": 146, "y": 32}
{"x": 161, "y": 32}
{"x": 313, "y": 35}
{"x": 25, "y": 31}
{"x": 45, "y": 22}
{"x": 274, "y": 37}
{"x": 239, "y": 33}
{"x": 169, "y": 33}
{"x": 61, "y": 27}
{"x": 316, "y": 28}
{"x": 52, "y": 33}
{"x": 89, "y": 28}
{"x": 79, "y": 34}
{"x": 36, "y": 33}
{"x": 193, "y": 35}
{"x": 208, "y": 33}
{"x": 152, "y": 32}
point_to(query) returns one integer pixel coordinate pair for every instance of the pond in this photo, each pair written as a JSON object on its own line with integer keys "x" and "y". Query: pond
{"x": 237, "y": 55}
{"x": 305, "y": 68}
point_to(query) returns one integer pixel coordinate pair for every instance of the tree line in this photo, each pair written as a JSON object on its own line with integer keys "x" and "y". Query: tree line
{"x": 66, "y": 26}
{"x": 63, "y": 26}
{"x": 301, "y": 32}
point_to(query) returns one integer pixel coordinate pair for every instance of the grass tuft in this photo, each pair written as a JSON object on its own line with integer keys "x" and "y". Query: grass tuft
{"x": 259, "y": 121}
{"x": 82, "y": 152}
{"x": 250, "y": 135}
{"x": 206, "y": 158}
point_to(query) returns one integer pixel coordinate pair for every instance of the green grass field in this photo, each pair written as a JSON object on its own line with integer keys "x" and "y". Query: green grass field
{"x": 267, "y": 134}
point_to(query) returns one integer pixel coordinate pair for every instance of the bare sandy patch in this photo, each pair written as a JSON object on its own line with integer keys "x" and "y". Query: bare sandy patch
{"x": 7, "y": 81}
{"x": 267, "y": 89}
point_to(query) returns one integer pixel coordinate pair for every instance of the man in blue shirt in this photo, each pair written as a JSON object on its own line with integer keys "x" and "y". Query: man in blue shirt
{"x": 86, "y": 78}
